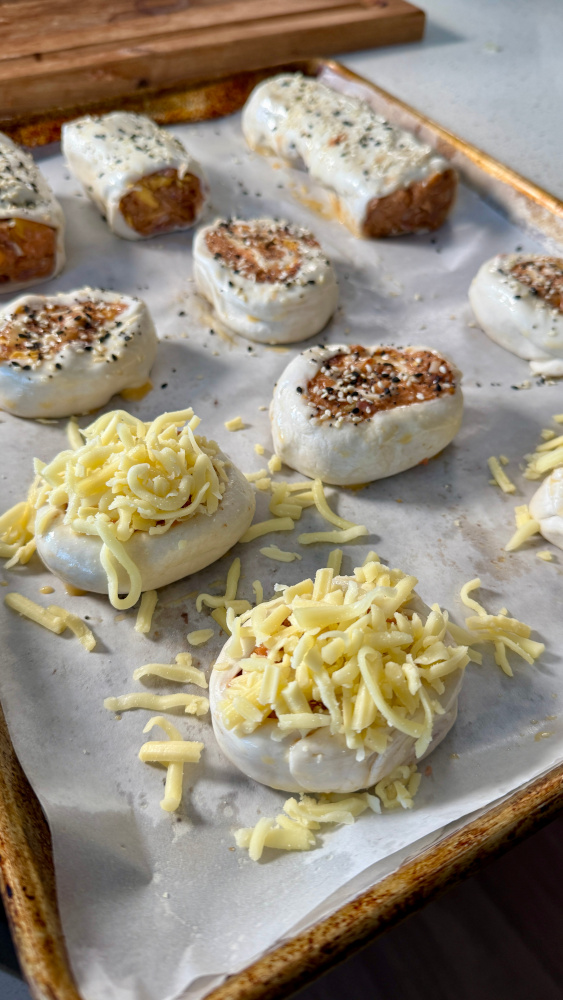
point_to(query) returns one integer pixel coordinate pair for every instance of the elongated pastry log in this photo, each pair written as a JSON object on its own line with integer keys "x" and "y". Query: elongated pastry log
{"x": 381, "y": 180}
{"x": 31, "y": 222}
{"x": 142, "y": 179}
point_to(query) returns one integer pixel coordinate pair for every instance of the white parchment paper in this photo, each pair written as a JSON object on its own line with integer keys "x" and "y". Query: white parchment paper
{"x": 155, "y": 906}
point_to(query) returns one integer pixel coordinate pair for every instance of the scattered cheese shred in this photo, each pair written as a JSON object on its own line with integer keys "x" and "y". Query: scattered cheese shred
{"x": 182, "y": 671}
{"x": 334, "y": 537}
{"x": 343, "y": 655}
{"x": 192, "y": 704}
{"x": 146, "y": 611}
{"x": 266, "y": 527}
{"x": 500, "y": 630}
{"x": 236, "y": 424}
{"x": 334, "y": 561}
{"x": 220, "y": 616}
{"x": 259, "y": 449}
{"x": 173, "y": 755}
{"x": 295, "y": 828}
{"x": 127, "y": 476}
{"x": 279, "y": 555}
{"x": 200, "y": 636}
{"x": 499, "y": 475}
{"x": 76, "y": 625}
{"x": 274, "y": 464}
{"x": 29, "y": 609}
{"x": 545, "y": 555}
{"x": 258, "y": 591}
{"x": 522, "y": 534}
{"x": 558, "y": 417}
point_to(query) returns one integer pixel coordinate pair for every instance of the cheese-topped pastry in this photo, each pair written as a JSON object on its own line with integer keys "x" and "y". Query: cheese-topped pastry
{"x": 546, "y": 506}
{"x": 350, "y": 414}
{"x": 336, "y": 682}
{"x": 134, "y": 506}
{"x": 70, "y": 353}
{"x": 141, "y": 177}
{"x": 267, "y": 280}
{"x": 381, "y": 179}
{"x": 31, "y": 222}
{"x": 518, "y": 301}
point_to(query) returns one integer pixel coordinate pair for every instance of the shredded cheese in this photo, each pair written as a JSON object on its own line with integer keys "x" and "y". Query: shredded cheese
{"x": 192, "y": 704}
{"x": 334, "y": 537}
{"x": 274, "y": 464}
{"x": 346, "y": 655}
{"x": 182, "y": 671}
{"x": 173, "y": 755}
{"x": 236, "y": 424}
{"x": 499, "y": 475}
{"x": 29, "y": 609}
{"x": 127, "y": 476}
{"x": 200, "y": 636}
{"x": 334, "y": 561}
{"x": 279, "y": 555}
{"x": 259, "y": 449}
{"x": 54, "y": 618}
{"x": 76, "y": 625}
{"x": 295, "y": 829}
{"x": 146, "y": 611}
{"x": 500, "y": 630}
{"x": 266, "y": 527}
{"x": 545, "y": 555}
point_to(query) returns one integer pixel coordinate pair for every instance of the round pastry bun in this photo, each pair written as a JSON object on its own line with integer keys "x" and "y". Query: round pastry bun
{"x": 50, "y": 376}
{"x": 516, "y": 314}
{"x": 351, "y": 449}
{"x": 267, "y": 280}
{"x": 187, "y": 547}
{"x": 546, "y": 506}
{"x": 319, "y": 761}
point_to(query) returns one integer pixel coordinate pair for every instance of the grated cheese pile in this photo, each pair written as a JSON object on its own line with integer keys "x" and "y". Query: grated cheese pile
{"x": 126, "y": 476}
{"x": 503, "y": 632}
{"x": 295, "y": 829}
{"x": 342, "y": 653}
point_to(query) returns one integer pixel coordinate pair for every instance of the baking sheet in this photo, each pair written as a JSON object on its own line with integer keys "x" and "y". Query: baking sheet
{"x": 153, "y": 906}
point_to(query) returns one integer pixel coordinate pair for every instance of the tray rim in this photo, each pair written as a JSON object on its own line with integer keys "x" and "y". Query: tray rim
{"x": 26, "y": 871}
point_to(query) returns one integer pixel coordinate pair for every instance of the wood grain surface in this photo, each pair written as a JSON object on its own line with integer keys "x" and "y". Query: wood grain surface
{"x": 59, "y": 53}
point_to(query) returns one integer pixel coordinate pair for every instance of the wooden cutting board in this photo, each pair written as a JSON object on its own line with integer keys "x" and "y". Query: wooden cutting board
{"x": 57, "y": 53}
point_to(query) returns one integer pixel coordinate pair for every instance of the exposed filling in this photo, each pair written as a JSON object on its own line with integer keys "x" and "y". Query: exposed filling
{"x": 356, "y": 384}
{"x": 544, "y": 277}
{"x": 31, "y": 336}
{"x": 162, "y": 201}
{"x": 27, "y": 250}
{"x": 258, "y": 251}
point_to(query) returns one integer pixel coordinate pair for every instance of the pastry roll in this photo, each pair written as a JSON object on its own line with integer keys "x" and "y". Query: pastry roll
{"x": 31, "y": 222}
{"x": 70, "y": 353}
{"x": 518, "y": 301}
{"x": 269, "y": 281}
{"x": 141, "y": 177}
{"x": 298, "y": 707}
{"x": 381, "y": 180}
{"x": 546, "y": 506}
{"x": 351, "y": 414}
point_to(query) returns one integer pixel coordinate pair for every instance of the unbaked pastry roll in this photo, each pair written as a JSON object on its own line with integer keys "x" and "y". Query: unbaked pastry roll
{"x": 141, "y": 177}
{"x": 518, "y": 301}
{"x": 70, "y": 353}
{"x": 351, "y": 414}
{"x": 31, "y": 222}
{"x": 267, "y": 280}
{"x": 382, "y": 181}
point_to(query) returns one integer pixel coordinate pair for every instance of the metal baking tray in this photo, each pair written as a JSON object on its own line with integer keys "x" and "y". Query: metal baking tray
{"x": 27, "y": 878}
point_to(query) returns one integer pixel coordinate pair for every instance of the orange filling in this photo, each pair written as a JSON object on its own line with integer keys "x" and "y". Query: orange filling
{"x": 27, "y": 250}
{"x": 34, "y": 335}
{"x": 161, "y": 202}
